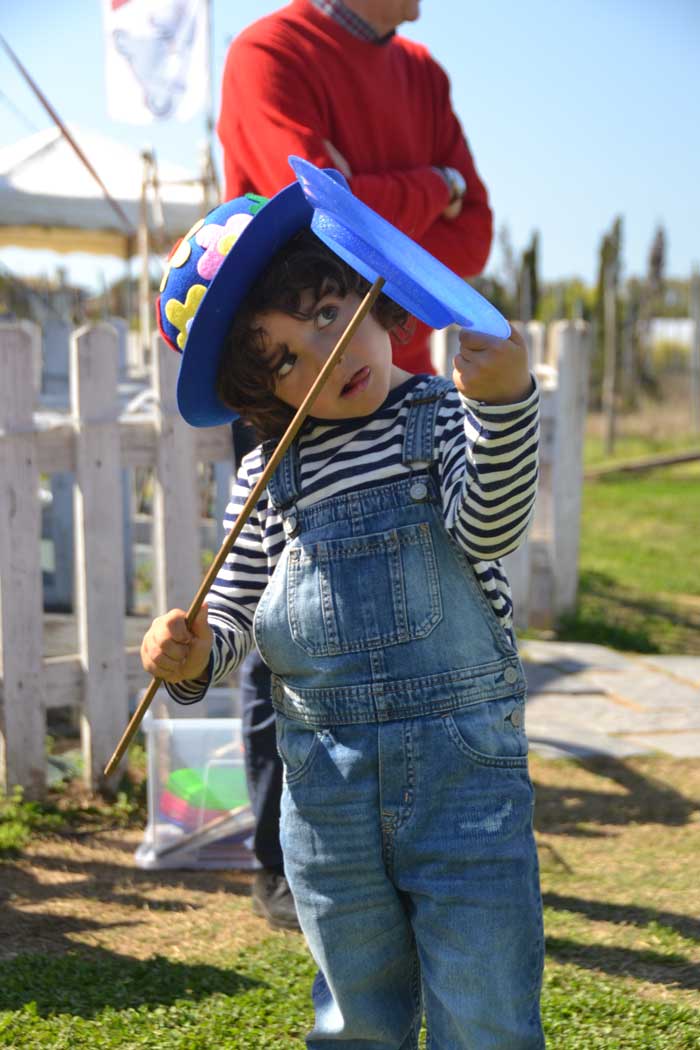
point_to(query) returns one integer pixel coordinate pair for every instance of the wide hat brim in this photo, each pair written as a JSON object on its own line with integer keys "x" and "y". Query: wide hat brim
{"x": 413, "y": 278}
{"x": 282, "y": 216}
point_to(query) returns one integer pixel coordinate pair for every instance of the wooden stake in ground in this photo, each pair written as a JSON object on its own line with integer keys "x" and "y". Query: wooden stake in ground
{"x": 291, "y": 432}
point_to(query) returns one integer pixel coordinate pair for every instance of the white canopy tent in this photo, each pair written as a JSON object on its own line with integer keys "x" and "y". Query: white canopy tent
{"x": 49, "y": 200}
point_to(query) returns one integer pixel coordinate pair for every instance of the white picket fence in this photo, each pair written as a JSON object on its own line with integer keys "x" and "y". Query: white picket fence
{"x": 96, "y": 441}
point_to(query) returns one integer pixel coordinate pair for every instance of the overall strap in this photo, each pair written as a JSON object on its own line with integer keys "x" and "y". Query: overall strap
{"x": 423, "y": 405}
{"x": 283, "y": 486}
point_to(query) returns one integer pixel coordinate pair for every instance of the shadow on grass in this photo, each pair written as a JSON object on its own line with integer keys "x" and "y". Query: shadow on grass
{"x": 610, "y": 614}
{"x": 628, "y": 914}
{"x": 572, "y": 810}
{"x": 84, "y": 983}
{"x": 642, "y": 964}
{"x": 105, "y": 880}
{"x": 71, "y": 906}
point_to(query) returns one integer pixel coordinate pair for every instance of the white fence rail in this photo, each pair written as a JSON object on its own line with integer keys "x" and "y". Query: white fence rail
{"x": 95, "y": 442}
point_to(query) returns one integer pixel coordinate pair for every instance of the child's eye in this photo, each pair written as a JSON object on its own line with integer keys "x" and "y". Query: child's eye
{"x": 326, "y": 315}
{"x": 286, "y": 364}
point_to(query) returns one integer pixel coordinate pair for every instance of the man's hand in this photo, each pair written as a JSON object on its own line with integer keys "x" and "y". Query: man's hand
{"x": 171, "y": 652}
{"x": 452, "y": 210}
{"x": 492, "y": 370}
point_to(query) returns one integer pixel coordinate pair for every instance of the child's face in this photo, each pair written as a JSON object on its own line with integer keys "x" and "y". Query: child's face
{"x": 297, "y": 350}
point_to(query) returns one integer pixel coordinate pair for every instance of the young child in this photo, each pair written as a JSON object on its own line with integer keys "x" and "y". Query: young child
{"x": 368, "y": 575}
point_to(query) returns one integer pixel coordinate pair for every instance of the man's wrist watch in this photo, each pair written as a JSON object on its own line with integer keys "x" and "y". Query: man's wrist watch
{"x": 456, "y": 183}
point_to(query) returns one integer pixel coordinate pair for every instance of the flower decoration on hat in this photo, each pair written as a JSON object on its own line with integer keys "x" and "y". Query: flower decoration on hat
{"x": 217, "y": 241}
{"x": 181, "y": 315}
{"x": 180, "y": 252}
{"x": 195, "y": 261}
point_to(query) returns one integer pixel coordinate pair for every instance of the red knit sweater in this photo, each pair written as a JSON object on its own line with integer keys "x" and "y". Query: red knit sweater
{"x": 296, "y": 80}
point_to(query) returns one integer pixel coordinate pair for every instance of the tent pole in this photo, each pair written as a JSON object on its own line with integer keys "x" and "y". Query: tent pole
{"x": 66, "y": 133}
{"x": 210, "y": 182}
{"x": 144, "y": 255}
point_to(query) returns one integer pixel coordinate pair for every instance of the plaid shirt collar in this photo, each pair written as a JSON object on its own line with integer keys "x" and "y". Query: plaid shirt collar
{"x": 346, "y": 18}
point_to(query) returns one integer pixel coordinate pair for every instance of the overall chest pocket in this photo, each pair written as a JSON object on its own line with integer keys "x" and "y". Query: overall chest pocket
{"x": 350, "y": 595}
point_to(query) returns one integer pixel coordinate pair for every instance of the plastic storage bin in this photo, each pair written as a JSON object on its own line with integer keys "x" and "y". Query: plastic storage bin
{"x": 199, "y": 814}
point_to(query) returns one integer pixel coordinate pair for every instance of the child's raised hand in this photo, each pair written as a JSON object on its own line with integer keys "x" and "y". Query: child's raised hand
{"x": 492, "y": 370}
{"x": 172, "y": 652}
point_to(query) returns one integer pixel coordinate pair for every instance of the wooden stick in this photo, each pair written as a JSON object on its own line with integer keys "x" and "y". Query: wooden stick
{"x": 289, "y": 435}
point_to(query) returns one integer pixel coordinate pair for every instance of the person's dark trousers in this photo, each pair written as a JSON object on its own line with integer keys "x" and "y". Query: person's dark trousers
{"x": 271, "y": 896}
{"x": 262, "y": 763}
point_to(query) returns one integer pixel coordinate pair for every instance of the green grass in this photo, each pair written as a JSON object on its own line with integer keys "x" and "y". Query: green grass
{"x": 585, "y": 1012}
{"x": 640, "y": 548}
{"x": 19, "y": 820}
{"x": 261, "y": 999}
{"x": 636, "y": 446}
{"x": 258, "y": 999}
{"x": 68, "y": 808}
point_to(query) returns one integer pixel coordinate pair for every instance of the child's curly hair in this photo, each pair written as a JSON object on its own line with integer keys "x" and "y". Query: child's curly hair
{"x": 245, "y": 380}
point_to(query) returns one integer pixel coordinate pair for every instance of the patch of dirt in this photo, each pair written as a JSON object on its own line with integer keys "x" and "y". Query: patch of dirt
{"x": 86, "y": 890}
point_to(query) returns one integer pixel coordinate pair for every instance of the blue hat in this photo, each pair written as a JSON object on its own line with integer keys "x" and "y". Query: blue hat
{"x": 220, "y": 258}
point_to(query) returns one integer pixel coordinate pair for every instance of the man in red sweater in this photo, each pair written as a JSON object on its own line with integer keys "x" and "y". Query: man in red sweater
{"x": 329, "y": 80}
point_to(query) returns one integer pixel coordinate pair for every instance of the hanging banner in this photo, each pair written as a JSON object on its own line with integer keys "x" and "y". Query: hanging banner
{"x": 156, "y": 59}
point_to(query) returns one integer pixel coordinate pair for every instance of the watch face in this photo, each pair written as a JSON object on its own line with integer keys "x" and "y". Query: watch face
{"x": 459, "y": 186}
{"x": 413, "y": 278}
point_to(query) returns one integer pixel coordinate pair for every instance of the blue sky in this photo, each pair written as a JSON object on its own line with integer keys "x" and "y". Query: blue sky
{"x": 575, "y": 112}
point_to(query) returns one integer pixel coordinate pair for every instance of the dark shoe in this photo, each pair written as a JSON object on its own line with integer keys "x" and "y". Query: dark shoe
{"x": 272, "y": 899}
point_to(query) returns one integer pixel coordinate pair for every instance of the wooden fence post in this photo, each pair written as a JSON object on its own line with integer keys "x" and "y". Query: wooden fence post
{"x": 176, "y": 541}
{"x": 34, "y": 333}
{"x": 535, "y": 334}
{"x": 99, "y": 544}
{"x": 22, "y": 721}
{"x": 176, "y": 535}
{"x": 570, "y": 349}
{"x": 519, "y": 564}
{"x": 444, "y": 344}
{"x": 540, "y": 541}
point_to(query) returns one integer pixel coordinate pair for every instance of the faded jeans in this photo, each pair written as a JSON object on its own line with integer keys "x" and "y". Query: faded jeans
{"x": 409, "y": 849}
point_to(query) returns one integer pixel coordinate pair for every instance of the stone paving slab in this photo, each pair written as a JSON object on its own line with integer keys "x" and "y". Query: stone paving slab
{"x": 590, "y": 710}
{"x": 574, "y": 656}
{"x": 684, "y": 667}
{"x": 550, "y": 678}
{"x": 553, "y": 734}
{"x": 585, "y": 699}
{"x": 599, "y": 713}
{"x": 550, "y": 745}
{"x": 647, "y": 688}
{"x": 680, "y": 745}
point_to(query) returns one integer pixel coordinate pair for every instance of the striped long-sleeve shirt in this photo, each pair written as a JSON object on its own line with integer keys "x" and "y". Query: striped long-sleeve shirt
{"x": 487, "y": 469}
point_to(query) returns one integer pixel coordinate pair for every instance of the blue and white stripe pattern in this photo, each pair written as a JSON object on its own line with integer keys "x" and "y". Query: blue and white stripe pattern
{"x": 487, "y": 460}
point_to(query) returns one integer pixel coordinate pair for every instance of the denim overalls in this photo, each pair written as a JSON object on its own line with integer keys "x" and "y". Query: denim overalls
{"x": 407, "y": 807}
